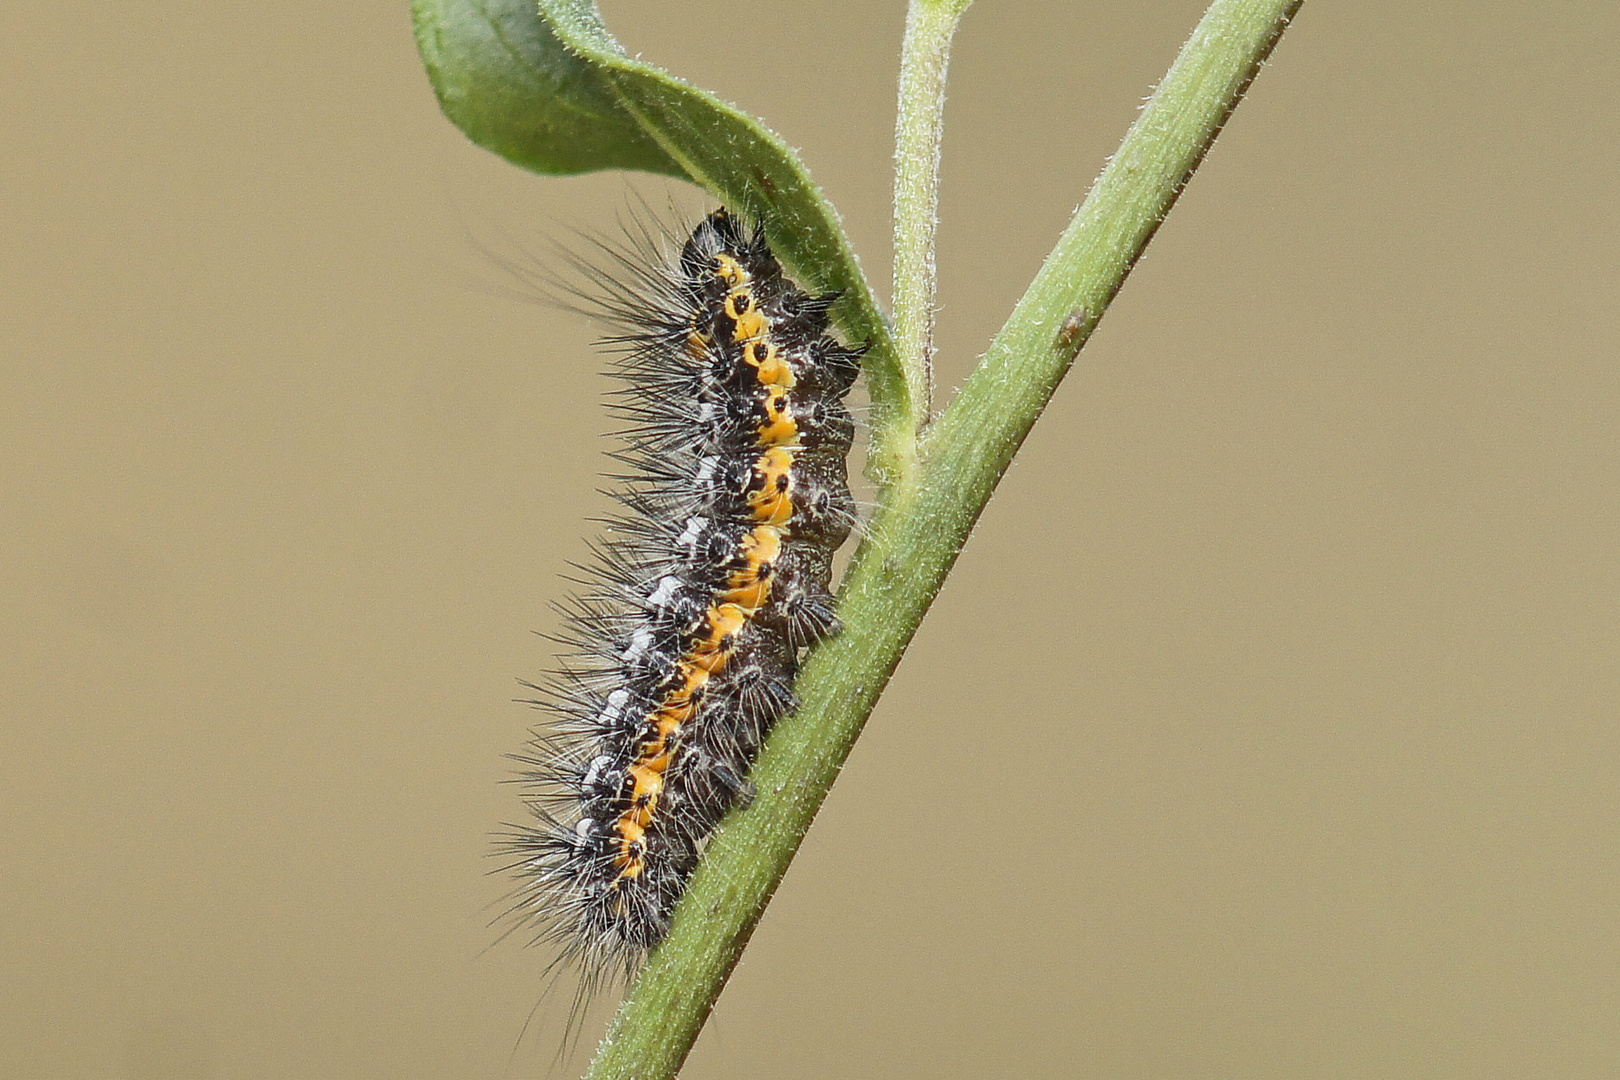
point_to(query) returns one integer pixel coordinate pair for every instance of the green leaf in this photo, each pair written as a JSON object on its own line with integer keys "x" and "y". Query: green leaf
{"x": 551, "y": 90}
{"x": 504, "y": 79}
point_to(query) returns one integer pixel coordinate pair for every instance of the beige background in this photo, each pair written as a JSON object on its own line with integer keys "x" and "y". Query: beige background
{"x": 1266, "y": 729}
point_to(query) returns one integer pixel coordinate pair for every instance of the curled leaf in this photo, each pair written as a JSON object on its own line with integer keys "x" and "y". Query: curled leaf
{"x": 504, "y": 79}
{"x": 549, "y": 89}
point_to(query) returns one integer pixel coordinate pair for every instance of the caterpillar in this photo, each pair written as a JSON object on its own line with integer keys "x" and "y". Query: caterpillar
{"x": 682, "y": 646}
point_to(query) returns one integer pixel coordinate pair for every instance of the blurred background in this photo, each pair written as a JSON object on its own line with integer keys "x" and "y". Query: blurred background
{"x": 1267, "y": 727}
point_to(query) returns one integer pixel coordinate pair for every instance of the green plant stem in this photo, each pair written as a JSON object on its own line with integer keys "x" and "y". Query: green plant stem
{"x": 920, "y": 527}
{"x": 919, "y": 133}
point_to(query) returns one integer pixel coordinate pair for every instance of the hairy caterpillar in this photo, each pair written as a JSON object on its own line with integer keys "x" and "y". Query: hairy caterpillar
{"x": 684, "y": 643}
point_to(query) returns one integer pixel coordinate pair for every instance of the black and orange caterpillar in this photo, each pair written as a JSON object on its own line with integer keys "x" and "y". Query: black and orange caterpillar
{"x": 683, "y": 647}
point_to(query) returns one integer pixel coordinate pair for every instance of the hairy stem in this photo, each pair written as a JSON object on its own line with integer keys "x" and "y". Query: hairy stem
{"x": 920, "y": 527}
{"x": 919, "y": 133}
